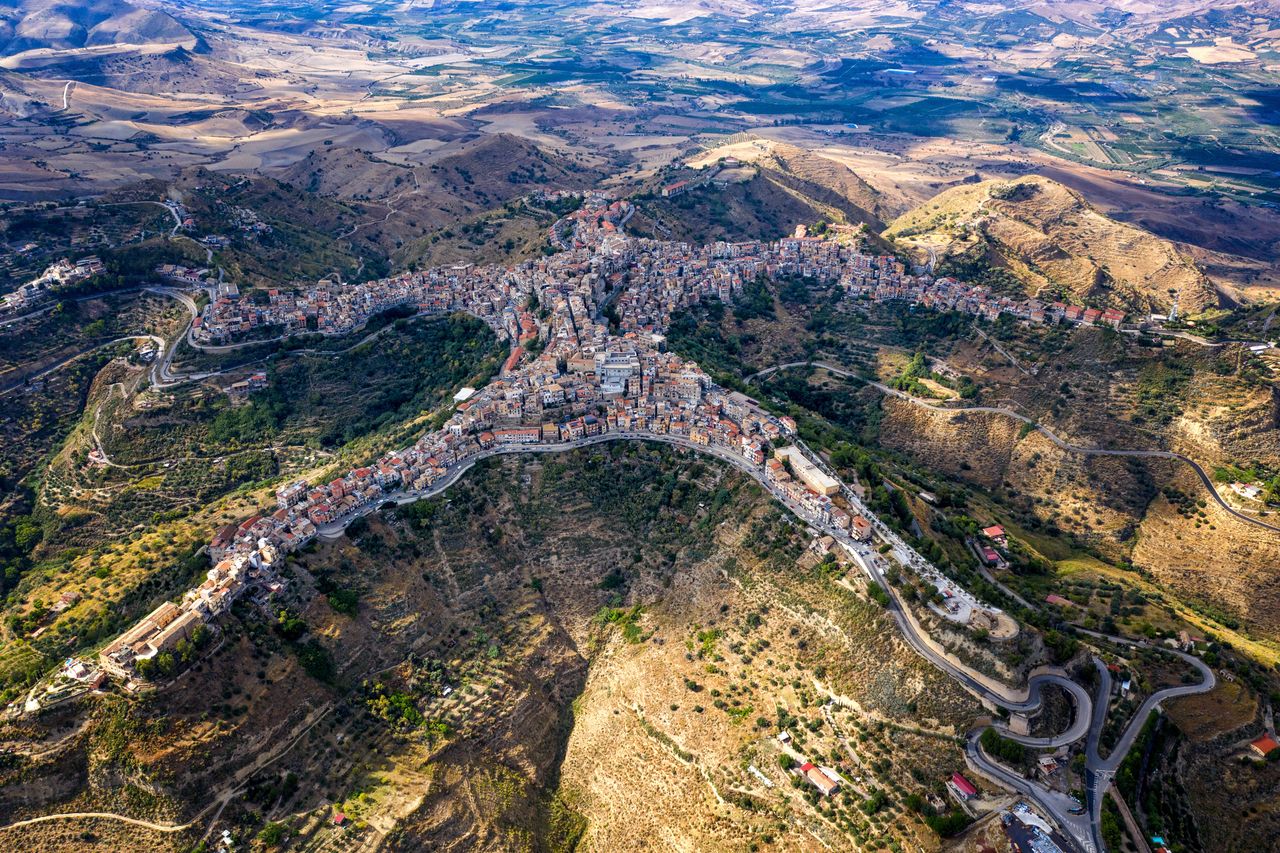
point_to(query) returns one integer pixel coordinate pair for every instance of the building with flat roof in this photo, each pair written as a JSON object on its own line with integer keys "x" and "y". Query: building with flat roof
{"x": 807, "y": 472}
{"x": 614, "y": 368}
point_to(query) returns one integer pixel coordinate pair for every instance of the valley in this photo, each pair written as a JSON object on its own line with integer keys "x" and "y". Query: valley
{"x": 564, "y": 426}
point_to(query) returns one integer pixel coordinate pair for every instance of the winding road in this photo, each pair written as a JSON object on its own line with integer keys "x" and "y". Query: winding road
{"x": 1205, "y": 479}
{"x": 160, "y": 375}
{"x": 19, "y": 383}
{"x": 158, "y": 827}
{"x": 1089, "y": 717}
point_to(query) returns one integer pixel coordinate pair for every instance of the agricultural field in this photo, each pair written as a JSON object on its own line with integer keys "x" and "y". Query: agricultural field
{"x": 626, "y": 645}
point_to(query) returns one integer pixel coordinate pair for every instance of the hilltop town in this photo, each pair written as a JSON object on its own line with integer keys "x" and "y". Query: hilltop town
{"x": 645, "y": 281}
{"x": 587, "y": 362}
{"x": 586, "y": 327}
{"x": 586, "y": 382}
{"x": 558, "y": 425}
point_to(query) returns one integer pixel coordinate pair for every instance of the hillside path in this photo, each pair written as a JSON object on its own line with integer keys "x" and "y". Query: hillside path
{"x": 1205, "y": 479}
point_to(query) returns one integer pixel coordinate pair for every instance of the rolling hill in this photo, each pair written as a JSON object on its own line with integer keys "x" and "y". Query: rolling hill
{"x": 1050, "y": 241}
{"x": 406, "y": 203}
{"x": 57, "y": 26}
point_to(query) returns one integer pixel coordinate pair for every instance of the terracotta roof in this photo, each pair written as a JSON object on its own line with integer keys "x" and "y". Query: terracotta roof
{"x": 1265, "y": 744}
{"x": 963, "y": 785}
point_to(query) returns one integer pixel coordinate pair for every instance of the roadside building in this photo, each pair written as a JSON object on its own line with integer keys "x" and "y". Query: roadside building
{"x": 962, "y": 787}
{"x": 807, "y": 472}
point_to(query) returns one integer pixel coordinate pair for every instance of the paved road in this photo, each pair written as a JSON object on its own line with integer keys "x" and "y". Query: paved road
{"x": 1089, "y": 717}
{"x": 1087, "y": 720}
{"x": 1100, "y": 772}
{"x": 36, "y": 313}
{"x": 1205, "y": 479}
{"x": 1207, "y": 682}
{"x": 53, "y": 303}
{"x": 160, "y": 375}
{"x": 1054, "y": 803}
{"x": 177, "y": 223}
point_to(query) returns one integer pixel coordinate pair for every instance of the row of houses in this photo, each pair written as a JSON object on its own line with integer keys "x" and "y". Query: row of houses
{"x": 951, "y": 294}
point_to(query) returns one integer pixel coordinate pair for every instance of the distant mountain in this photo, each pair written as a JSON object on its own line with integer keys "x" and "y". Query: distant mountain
{"x": 54, "y": 25}
{"x": 1038, "y": 234}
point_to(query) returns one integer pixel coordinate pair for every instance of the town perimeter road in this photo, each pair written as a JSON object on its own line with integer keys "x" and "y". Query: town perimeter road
{"x": 1205, "y": 479}
{"x": 1025, "y": 700}
{"x": 1087, "y": 719}
{"x": 1089, "y": 716}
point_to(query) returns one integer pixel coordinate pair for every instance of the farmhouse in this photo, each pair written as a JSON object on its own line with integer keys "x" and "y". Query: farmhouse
{"x": 1264, "y": 745}
{"x": 962, "y": 787}
{"x": 819, "y": 778}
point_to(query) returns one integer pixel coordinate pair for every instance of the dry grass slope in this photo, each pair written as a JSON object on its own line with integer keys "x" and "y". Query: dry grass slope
{"x": 1055, "y": 243}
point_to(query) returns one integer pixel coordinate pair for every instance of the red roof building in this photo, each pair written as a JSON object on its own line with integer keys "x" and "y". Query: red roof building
{"x": 819, "y": 779}
{"x": 963, "y": 786}
{"x": 1264, "y": 745}
{"x": 673, "y": 190}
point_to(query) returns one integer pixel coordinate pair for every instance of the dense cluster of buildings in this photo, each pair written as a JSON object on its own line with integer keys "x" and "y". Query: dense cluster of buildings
{"x": 567, "y": 282}
{"x": 60, "y": 274}
{"x": 650, "y": 279}
{"x": 587, "y": 381}
{"x": 244, "y": 557}
{"x": 949, "y": 294}
{"x": 566, "y": 395}
{"x": 600, "y": 308}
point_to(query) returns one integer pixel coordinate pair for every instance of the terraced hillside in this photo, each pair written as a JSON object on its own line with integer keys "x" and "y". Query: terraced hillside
{"x": 559, "y": 650}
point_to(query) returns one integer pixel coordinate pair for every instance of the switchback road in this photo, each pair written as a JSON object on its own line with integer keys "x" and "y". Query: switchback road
{"x": 1089, "y": 715}
{"x": 1087, "y": 721}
